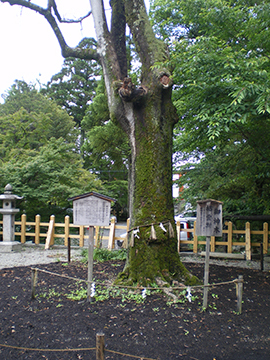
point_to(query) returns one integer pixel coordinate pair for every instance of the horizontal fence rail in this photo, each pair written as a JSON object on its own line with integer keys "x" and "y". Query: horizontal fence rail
{"x": 245, "y": 240}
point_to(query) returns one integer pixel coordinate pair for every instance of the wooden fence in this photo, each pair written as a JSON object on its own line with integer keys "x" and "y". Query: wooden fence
{"x": 51, "y": 231}
{"x": 248, "y": 239}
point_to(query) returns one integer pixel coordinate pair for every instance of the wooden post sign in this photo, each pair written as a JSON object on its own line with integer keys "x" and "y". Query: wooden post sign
{"x": 91, "y": 209}
{"x": 209, "y": 218}
{"x": 209, "y": 223}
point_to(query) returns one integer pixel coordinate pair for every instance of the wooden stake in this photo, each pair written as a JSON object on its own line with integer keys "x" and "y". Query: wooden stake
{"x": 100, "y": 346}
{"x": 90, "y": 260}
{"x": 206, "y": 272}
{"x": 261, "y": 256}
{"x": 69, "y": 249}
{"x": 33, "y": 283}
{"x": 239, "y": 293}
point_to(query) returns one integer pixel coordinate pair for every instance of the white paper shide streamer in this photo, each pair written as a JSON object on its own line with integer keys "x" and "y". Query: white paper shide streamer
{"x": 93, "y": 290}
{"x": 144, "y": 293}
{"x": 162, "y": 227}
{"x": 188, "y": 296}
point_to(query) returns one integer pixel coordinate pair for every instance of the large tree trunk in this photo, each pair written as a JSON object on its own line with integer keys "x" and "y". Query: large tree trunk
{"x": 147, "y": 115}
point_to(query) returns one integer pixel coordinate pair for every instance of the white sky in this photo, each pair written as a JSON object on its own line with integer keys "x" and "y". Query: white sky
{"x": 29, "y": 49}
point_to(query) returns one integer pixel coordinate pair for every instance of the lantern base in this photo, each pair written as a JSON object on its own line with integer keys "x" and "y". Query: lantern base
{"x": 9, "y": 246}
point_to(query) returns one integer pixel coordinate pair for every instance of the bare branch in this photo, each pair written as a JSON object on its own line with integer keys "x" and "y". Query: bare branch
{"x": 72, "y": 21}
{"x": 52, "y": 4}
{"x": 87, "y": 54}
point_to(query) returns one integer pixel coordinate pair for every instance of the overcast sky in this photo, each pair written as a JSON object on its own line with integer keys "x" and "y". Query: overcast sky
{"x": 29, "y": 49}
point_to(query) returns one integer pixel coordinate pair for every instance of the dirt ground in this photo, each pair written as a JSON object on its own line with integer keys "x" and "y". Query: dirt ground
{"x": 153, "y": 328}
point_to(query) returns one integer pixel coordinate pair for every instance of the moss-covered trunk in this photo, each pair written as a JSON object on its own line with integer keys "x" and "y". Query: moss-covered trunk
{"x": 153, "y": 255}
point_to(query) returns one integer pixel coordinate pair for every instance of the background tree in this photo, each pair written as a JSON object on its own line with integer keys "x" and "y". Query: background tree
{"x": 221, "y": 67}
{"x": 80, "y": 90}
{"x": 147, "y": 115}
{"x": 106, "y": 151}
{"x": 38, "y": 155}
{"x": 47, "y": 177}
{"x": 28, "y": 119}
{"x": 73, "y": 88}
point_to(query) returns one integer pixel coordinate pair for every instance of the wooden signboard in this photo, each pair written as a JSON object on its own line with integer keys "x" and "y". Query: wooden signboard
{"x": 91, "y": 209}
{"x": 209, "y": 218}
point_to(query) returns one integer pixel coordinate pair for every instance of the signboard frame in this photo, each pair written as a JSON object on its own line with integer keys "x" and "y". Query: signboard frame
{"x": 92, "y": 209}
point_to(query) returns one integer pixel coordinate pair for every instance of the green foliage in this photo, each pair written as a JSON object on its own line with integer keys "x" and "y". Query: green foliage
{"x": 33, "y": 115}
{"x": 220, "y": 57}
{"x": 47, "y": 177}
{"x": 74, "y": 86}
{"x": 37, "y": 142}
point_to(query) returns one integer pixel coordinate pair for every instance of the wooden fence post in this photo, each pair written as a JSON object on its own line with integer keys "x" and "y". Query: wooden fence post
{"x": 229, "y": 248}
{"x": 265, "y": 238}
{"x": 239, "y": 293}
{"x": 195, "y": 239}
{"x": 100, "y": 346}
{"x": 66, "y": 229}
{"x": 125, "y": 244}
{"x": 248, "y": 241}
{"x": 81, "y": 239}
{"x": 23, "y": 228}
{"x": 111, "y": 235}
{"x": 50, "y": 235}
{"x": 37, "y": 229}
{"x": 52, "y": 218}
{"x": 213, "y": 244}
{"x": 97, "y": 242}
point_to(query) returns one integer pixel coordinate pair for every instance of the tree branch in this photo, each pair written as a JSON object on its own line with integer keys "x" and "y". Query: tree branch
{"x": 149, "y": 48}
{"x": 118, "y": 34}
{"x": 87, "y": 54}
{"x": 52, "y": 4}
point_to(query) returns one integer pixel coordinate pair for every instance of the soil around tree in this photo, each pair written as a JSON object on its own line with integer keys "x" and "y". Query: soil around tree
{"x": 156, "y": 328}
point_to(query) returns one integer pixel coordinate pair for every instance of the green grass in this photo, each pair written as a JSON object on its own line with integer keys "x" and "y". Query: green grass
{"x": 101, "y": 255}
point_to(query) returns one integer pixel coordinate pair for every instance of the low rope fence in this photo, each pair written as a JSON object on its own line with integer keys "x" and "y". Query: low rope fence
{"x": 238, "y": 282}
{"x": 99, "y": 348}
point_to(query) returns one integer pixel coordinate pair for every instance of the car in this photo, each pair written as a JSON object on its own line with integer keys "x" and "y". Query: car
{"x": 185, "y": 223}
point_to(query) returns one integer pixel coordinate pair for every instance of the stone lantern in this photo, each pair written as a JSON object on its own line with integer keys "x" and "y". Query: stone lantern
{"x": 8, "y": 210}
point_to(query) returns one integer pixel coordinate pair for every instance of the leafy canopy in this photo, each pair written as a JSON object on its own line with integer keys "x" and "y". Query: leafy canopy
{"x": 220, "y": 56}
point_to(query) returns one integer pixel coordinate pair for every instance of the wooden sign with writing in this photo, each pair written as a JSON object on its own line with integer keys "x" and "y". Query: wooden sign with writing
{"x": 209, "y": 218}
{"x": 91, "y": 209}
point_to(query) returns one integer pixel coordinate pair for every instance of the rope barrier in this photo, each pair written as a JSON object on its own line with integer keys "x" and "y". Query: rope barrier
{"x": 138, "y": 287}
{"x": 49, "y": 350}
{"x": 78, "y": 349}
{"x": 166, "y": 222}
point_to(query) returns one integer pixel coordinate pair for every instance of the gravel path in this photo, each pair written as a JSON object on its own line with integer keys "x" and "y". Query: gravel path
{"x": 34, "y": 255}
